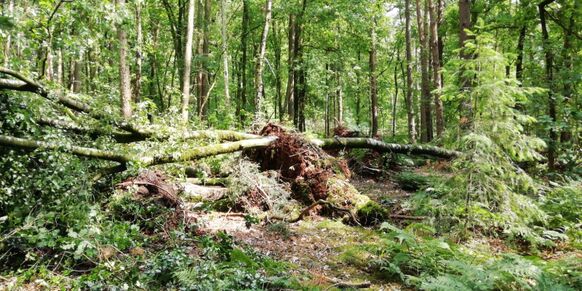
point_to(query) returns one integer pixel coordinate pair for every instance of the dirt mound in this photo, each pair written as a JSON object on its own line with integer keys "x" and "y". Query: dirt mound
{"x": 306, "y": 166}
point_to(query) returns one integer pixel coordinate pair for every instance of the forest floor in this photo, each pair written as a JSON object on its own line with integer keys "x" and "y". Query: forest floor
{"x": 316, "y": 247}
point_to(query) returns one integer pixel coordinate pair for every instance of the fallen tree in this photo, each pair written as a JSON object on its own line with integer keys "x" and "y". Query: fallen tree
{"x": 314, "y": 175}
{"x": 377, "y": 145}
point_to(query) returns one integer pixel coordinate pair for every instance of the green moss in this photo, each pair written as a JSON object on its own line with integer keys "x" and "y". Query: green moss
{"x": 371, "y": 213}
{"x": 342, "y": 193}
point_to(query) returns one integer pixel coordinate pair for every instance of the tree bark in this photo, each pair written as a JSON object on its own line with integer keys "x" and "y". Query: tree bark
{"x": 259, "y": 85}
{"x": 223, "y": 33}
{"x": 204, "y": 51}
{"x": 144, "y": 159}
{"x": 8, "y": 44}
{"x": 519, "y": 60}
{"x": 242, "y": 84}
{"x": 290, "y": 69}
{"x": 549, "y": 58}
{"x": 138, "y": 51}
{"x": 370, "y": 143}
{"x": 466, "y": 82}
{"x": 124, "y": 75}
{"x": 373, "y": 82}
{"x": 425, "y": 99}
{"x": 410, "y": 115}
{"x": 187, "y": 62}
{"x": 300, "y": 88}
{"x": 436, "y": 68}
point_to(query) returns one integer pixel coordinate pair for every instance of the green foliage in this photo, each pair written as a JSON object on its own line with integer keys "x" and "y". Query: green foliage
{"x": 412, "y": 256}
{"x": 411, "y": 181}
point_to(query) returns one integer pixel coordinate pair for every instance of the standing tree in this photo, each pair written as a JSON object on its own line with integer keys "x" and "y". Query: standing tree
{"x": 425, "y": 99}
{"x": 466, "y": 121}
{"x": 124, "y": 74}
{"x": 409, "y": 100}
{"x": 373, "y": 82}
{"x": 223, "y": 34}
{"x": 259, "y": 86}
{"x": 436, "y": 66}
{"x": 187, "y": 62}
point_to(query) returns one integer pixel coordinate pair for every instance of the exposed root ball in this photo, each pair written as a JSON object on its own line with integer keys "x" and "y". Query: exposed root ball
{"x": 306, "y": 166}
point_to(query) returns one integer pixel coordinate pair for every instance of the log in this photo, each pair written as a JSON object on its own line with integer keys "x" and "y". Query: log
{"x": 145, "y": 160}
{"x": 369, "y": 143}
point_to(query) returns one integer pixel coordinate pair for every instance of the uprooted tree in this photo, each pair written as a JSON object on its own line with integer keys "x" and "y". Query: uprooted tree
{"x": 315, "y": 175}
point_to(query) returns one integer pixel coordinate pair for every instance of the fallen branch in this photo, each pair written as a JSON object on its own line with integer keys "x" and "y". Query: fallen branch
{"x": 187, "y": 155}
{"x": 369, "y": 143}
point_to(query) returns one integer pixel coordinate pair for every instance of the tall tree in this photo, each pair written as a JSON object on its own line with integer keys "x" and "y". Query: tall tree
{"x": 290, "y": 69}
{"x": 436, "y": 66}
{"x": 124, "y": 73}
{"x": 425, "y": 99}
{"x": 549, "y": 58}
{"x": 223, "y": 33}
{"x": 259, "y": 85}
{"x": 187, "y": 61}
{"x": 373, "y": 82}
{"x": 300, "y": 86}
{"x": 409, "y": 100}
{"x": 138, "y": 50}
{"x": 242, "y": 80}
{"x": 8, "y": 44}
{"x": 465, "y": 24}
{"x": 204, "y": 52}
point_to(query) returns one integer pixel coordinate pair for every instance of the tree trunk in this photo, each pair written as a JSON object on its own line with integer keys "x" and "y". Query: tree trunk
{"x": 370, "y": 143}
{"x": 204, "y": 50}
{"x": 567, "y": 67}
{"x": 187, "y": 62}
{"x": 259, "y": 86}
{"x": 425, "y": 99}
{"x": 290, "y": 69}
{"x": 358, "y": 89}
{"x": 8, "y": 44}
{"x": 124, "y": 75}
{"x": 519, "y": 61}
{"x": 436, "y": 68}
{"x": 409, "y": 99}
{"x": 138, "y": 52}
{"x": 395, "y": 99}
{"x": 242, "y": 84}
{"x": 299, "y": 74}
{"x": 279, "y": 106}
{"x": 77, "y": 67}
{"x": 373, "y": 82}
{"x": 223, "y": 32}
{"x": 549, "y": 58}
{"x": 466, "y": 82}
{"x": 339, "y": 95}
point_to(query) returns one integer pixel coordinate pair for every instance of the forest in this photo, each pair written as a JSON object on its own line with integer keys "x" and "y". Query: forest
{"x": 290, "y": 145}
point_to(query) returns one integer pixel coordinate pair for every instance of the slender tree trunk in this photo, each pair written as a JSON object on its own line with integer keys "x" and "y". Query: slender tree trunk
{"x": 124, "y": 74}
{"x": 519, "y": 61}
{"x": 549, "y": 58}
{"x": 300, "y": 88}
{"x": 425, "y": 104}
{"x": 138, "y": 51}
{"x": 466, "y": 82}
{"x": 76, "y": 75}
{"x": 567, "y": 67}
{"x": 339, "y": 95}
{"x": 242, "y": 85}
{"x": 60, "y": 71}
{"x": 8, "y": 44}
{"x": 223, "y": 32}
{"x": 436, "y": 68}
{"x": 373, "y": 82}
{"x": 358, "y": 90}
{"x": 395, "y": 99}
{"x": 280, "y": 108}
{"x": 327, "y": 102}
{"x": 259, "y": 85}
{"x": 187, "y": 62}
{"x": 409, "y": 99}
{"x": 204, "y": 50}
{"x": 290, "y": 69}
